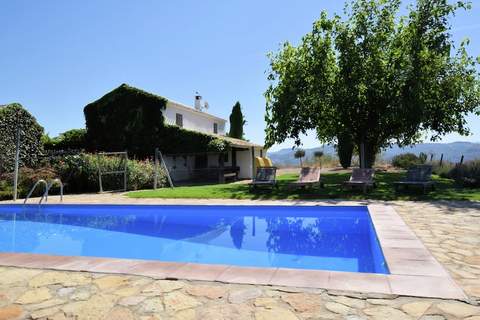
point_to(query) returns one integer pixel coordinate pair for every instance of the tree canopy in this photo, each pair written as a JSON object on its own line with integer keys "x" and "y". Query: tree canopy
{"x": 236, "y": 122}
{"x": 374, "y": 77}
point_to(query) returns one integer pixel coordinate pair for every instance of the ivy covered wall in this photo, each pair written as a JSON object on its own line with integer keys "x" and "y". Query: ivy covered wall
{"x": 131, "y": 119}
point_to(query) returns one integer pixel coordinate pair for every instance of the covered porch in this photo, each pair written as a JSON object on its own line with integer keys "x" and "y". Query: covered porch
{"x": 237, "y": 163}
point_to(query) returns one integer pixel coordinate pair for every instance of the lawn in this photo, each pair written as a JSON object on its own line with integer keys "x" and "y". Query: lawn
{"x": 445, "y": 190}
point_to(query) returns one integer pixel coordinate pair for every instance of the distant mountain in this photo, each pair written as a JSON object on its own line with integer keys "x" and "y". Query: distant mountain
{"x": 451, "y": 152}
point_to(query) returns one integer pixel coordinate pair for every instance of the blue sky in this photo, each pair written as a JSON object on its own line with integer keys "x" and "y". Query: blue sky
{"x": 57, "y": 56}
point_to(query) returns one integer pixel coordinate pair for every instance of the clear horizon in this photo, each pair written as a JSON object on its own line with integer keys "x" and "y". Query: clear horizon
{"x": 59, "y": 56}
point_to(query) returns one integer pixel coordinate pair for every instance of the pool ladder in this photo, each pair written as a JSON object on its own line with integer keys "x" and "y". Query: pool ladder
{"x": 48, "y": 186}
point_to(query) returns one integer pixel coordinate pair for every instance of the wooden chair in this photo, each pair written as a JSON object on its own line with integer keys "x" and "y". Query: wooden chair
{"x": 361, "y": 178}
{"x": 419, "y": 175}
{"x": 309, "y": 177}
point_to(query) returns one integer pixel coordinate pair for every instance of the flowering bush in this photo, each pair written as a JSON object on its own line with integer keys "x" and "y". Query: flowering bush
{"x": 80, "y": 173}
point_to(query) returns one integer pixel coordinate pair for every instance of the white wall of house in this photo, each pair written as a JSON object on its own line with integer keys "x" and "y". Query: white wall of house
{"x": 246, "y": 162}
{"x": 193, "y": 119}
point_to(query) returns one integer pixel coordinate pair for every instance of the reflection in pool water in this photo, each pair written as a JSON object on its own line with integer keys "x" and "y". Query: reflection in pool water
{"x": 331, "y": 238}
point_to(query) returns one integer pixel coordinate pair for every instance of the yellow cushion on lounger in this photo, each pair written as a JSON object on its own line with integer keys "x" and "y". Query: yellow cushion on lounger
{"x": 268, "y": 162}
{"x": 259, "y": 163}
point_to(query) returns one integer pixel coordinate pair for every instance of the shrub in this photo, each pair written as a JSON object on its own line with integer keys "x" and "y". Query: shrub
{"x": 467, "y": 174}
{"x": 131, "y": 119}
{"x": 80, "y": 173}
{"x": 31, "y": 132}
{"x": 27, "y": 177}
{"x": 74, "y": 139}
{"x": 406, "y": 160}
{"x": 443, "y": 170}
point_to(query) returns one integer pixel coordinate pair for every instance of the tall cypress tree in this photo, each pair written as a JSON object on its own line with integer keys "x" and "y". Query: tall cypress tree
{"x": 236, "y": 122}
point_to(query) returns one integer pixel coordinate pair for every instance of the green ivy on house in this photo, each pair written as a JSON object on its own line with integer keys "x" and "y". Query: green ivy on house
{"x": 131, "y": 119}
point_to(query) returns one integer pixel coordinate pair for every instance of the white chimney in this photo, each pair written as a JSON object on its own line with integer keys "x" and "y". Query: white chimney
{"x": 198, "y": 102}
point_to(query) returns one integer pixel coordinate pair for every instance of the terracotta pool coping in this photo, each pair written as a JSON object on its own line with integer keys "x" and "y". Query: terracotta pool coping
{"x": 413, "y": 269}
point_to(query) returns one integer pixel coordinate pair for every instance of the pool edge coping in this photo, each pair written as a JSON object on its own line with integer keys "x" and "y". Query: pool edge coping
{"x": 413, "y": 269}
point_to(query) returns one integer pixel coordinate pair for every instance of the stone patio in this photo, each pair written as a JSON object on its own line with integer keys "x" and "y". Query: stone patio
{"x": 450, "y": 230}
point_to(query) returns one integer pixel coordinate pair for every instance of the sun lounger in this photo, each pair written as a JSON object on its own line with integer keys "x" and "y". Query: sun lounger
{"x": 420, "y": 175}
{"x": 361, "y": 178}
{"x": 309, "y": 177}
{"x": 265, "y": 177}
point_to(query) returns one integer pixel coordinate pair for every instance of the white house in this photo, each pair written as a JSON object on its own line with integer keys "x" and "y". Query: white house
{"x": 193, "y": 118}
{"x": 239, "y": 159}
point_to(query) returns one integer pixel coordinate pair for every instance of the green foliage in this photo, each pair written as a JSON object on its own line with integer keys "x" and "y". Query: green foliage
{"x": 374, "y": 75}
{"x": 80, "y": 173}
{"x": 237, "y": 121}
{"x": 422, "y": 157}
{"x": 178, "y": 140}
{"x": 444, "y": 169}
{"x": 467, "y": 174}
{"x": 131, "y": 119}
{"x": 27, "y": 177}
{"x": 299, "y": 153}
{"x": 406, "y": 160}
{"x": 74, "y": 139}
{"x": 318, "y": 154}
{"x": 345, "y": 148}
{"x": 31, "y": 132}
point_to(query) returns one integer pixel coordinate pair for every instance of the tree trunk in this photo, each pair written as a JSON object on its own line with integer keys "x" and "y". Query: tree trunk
{"x": 367, "y": 154}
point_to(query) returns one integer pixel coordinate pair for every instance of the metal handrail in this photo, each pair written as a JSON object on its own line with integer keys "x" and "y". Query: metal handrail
{"x": 33, "y": 189}
{"x": 49, "y": 186}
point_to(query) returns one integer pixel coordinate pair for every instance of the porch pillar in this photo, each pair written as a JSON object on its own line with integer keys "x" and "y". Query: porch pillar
{"x": 254, "y": 169}
{"x": 221, "y": 171}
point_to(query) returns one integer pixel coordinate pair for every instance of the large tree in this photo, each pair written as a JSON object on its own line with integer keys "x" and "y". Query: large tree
{"x": 375, "y": 77}
{"x": 236, "y": 122}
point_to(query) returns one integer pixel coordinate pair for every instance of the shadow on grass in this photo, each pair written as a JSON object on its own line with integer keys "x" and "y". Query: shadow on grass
{"x": 445, "y": 190}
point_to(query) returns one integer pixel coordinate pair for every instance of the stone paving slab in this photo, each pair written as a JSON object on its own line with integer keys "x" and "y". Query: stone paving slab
{"x": 46, "y": 294}
{"x": 450, "y": 231}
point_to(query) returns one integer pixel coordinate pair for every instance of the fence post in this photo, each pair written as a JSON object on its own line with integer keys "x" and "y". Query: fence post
{"x": 441, "y": 160}
{"x": 155, "y": 176}
{"x": 99, "y": 173}
{"x": 461, "y": 160}
{"x": 431, "y": 157}
{"x": 125, "y": 171}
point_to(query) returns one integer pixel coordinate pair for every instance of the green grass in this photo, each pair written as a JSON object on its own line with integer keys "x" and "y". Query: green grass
{"x": 445, "y": 190}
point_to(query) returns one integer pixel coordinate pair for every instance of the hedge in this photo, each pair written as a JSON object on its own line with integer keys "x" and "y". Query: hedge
{"x": 80, "y": 173}
{"x": 31, "y": 147}
{"x": 74, "y": 139}
{"x": 131, "y": 119}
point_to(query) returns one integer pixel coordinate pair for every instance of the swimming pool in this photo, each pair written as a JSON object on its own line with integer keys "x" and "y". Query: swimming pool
{"x": 337, "y": 238}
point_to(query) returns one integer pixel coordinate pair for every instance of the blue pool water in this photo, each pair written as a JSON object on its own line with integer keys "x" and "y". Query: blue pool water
{"x": 329, "y": 238}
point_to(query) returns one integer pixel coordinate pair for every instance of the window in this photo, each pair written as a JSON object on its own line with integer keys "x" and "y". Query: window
{"x": 215, "y": 128}
{"x": 179, "y": 120}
